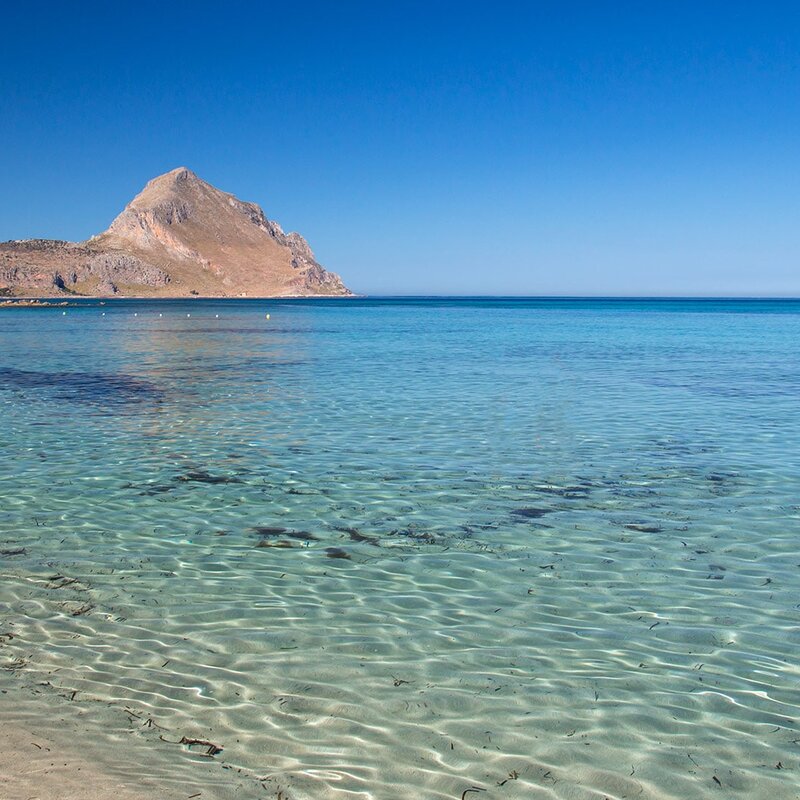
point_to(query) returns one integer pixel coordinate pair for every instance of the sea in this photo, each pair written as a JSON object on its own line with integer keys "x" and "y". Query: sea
{"x": 439, "y": 548}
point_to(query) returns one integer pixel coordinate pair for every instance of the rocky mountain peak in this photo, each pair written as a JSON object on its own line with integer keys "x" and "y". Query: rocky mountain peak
{"x": 179, "y": 235}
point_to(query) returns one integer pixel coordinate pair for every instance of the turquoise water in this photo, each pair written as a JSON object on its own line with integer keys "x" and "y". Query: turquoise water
{"x": 388, "y": 549}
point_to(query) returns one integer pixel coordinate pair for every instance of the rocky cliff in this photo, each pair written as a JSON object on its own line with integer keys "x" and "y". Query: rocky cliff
{"x": 180, "y": 236}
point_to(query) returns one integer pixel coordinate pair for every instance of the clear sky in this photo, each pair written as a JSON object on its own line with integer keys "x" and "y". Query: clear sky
{"x": 432, "y": 147}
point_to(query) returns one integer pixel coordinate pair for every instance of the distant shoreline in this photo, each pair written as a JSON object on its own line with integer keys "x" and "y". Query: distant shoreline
{"x": 61, "y": 300}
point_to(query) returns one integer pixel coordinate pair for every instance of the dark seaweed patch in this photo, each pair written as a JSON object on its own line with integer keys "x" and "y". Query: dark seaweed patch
{"x": 201, "y": 476}
{"x": 531, "y": 513}
{"x": 336, "y": 552}
{"x": 303, "y": 536}
{"x": 644, "y": 528}
{"x": 419, "y": 536}
{"x": 356, "y": 535}
{"x": 151, "y": 491}
{"x": 83, "y": 387}
{"x": 272, "y": 531}
{"x": 570, "y": 492}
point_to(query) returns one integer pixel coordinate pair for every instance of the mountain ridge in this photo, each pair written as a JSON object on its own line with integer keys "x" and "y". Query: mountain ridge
{"x": 180, "y": 236}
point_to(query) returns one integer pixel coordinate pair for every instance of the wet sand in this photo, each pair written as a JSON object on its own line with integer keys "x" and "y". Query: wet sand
{"x": 34, "y": 766}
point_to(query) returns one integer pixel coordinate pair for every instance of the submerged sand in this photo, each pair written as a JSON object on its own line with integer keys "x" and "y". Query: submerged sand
{"x": 34, "y": 766}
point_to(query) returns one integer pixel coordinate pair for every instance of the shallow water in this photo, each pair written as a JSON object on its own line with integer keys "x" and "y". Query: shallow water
{"x": 383, "y": 549}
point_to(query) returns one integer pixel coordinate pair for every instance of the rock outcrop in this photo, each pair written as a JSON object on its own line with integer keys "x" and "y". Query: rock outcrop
{"x": 180, "y": 236}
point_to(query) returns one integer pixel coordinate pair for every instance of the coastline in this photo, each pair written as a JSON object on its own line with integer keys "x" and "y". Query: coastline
{"x": 60, "y": 298}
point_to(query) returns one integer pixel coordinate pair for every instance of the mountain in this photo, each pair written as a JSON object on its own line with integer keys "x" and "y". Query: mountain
{"x": 179, "y": 236}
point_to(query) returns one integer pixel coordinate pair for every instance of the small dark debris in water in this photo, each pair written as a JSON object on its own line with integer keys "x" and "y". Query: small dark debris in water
{"x": 201, "y": 476}
{"x": 471, "y": 789}
{"x": 714, "y": 577}
{"x": 767, "y": 582}
{"x": 701, "y": 552}
{"x": 654, "y": 625}
{"x": 512, "y": 776}
{"x": 19, "y": 551}
{"x": 279, "y": 543}
{"x": 211, "y": 748}
{"x": 645, "y": 528}
{"x": 79, "y": 612}
{"x": 61, "y": 582}
{"x": 531, "y": 513}
{"x": 546, "y": 566}
{"x": 336, "y": 552}
{"x": 716, "y": 568}
{"x": 400, "y": 681}
{"x": 717, "y": 780}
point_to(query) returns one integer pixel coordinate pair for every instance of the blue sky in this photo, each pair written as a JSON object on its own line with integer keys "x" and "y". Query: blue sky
{"x": 430, "y": 148}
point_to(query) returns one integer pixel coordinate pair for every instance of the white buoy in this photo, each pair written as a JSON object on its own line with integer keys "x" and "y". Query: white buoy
{"x": 135, "y": 314}
{"x": 63, "y": 313}
{"x": 267, "y": 316}
{"x": 104, "y": 313}
{"x": 160, "y": 315}
{"x": 188, "y": 315}
{"x": 216, "y": 315}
